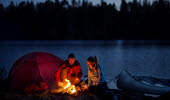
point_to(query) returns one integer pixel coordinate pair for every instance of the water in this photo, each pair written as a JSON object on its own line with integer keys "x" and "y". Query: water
{"x": 149, "y": 58}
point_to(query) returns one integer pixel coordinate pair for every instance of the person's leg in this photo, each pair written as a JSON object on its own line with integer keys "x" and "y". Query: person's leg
{"x": 104, "y": 92}
{"x": 93, "y": 89}
{"x": 102, "y": 87}
{"x": 74, "y": 80}
{"x": 99, "y": 89}
{"x": 63, "y": 75}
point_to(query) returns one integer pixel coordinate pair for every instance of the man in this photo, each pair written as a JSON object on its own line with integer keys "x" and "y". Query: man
{"x": 70, "y": 70}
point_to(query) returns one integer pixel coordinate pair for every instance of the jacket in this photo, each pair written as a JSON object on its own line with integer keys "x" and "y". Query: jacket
{"x": 96, "y": 76}
{"x": 74, "y": 69}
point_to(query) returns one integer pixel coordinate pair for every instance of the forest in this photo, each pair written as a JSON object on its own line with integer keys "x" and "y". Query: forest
{"x": 82, "y": 20}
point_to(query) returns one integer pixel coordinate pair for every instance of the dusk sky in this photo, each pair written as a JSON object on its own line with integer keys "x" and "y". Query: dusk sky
{"x": 117, "y": 2}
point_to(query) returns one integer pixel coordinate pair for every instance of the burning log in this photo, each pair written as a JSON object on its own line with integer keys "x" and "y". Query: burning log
{"x": 65, "y": 87}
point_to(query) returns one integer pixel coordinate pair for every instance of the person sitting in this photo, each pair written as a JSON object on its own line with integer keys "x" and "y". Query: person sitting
{"x": 96, "y": 81}
{"x": 70, "y": 70}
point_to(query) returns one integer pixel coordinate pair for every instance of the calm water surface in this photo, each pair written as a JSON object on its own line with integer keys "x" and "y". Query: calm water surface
{"x": 149, "y": 58}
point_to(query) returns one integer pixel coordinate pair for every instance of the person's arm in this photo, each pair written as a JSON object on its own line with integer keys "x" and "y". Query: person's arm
{"x": 57, "y": 75}
{"x": 89, "y": 78}
{"x": 79, "y": 72}
{"x": 100, "y": 74}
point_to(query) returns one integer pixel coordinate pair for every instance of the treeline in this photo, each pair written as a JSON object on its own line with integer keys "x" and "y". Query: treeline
{"x": 83, "y": 20}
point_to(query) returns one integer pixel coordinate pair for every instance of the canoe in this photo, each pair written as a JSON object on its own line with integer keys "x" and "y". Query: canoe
{"x": 143, "y": 84}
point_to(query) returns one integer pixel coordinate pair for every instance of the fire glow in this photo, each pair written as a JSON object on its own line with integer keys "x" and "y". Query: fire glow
{"x": 65, "y": 87}
{"x": 69, "y": 88}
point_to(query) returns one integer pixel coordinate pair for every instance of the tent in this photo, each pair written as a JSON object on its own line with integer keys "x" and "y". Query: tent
{"x": 34, "y": 67}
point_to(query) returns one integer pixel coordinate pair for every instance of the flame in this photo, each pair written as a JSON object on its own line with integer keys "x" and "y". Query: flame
{"x": 65, "y": 87}
{"x": 69, "y": 88}
{"x": 68, "y": 84}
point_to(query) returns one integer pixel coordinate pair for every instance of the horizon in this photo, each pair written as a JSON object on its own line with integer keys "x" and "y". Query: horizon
{"x": 116, "y": 2}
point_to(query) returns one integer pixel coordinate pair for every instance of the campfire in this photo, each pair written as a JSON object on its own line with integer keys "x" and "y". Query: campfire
{"x": 65, "y": 87}
{"x": 68, "y": 88}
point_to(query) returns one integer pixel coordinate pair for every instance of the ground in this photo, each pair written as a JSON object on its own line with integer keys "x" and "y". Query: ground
{"x": 82, "y": 96}
{"x": 5, "y": 94}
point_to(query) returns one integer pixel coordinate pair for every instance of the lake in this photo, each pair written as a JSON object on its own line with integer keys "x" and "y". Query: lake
{"x": 146, "y": 58}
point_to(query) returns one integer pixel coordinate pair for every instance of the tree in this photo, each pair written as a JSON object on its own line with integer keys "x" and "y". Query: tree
{"x": 74, "y": 3}
{"x": 84, "y": 3}
{"x": 57, "y": 3}
{"x": 64, "y": 3}
{"x": 2, "y": 10}
{"x": 103, "y": 3}
{"x": 124, "y": 7}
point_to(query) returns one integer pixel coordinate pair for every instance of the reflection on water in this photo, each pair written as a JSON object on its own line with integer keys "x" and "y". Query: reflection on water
{"x": 138, "y": 57}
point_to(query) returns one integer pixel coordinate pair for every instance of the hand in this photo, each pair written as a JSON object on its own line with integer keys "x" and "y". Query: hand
{"x": 77, "y": 79}
{"x": 85, "y": 87}
{"x": 59, "y": 84}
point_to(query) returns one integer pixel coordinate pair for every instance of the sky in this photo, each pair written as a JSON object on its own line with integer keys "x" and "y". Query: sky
{"x": 117, "y": 2}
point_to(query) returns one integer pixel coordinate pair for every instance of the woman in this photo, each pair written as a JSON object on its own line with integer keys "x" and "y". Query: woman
{"x": 96, "y": 81}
